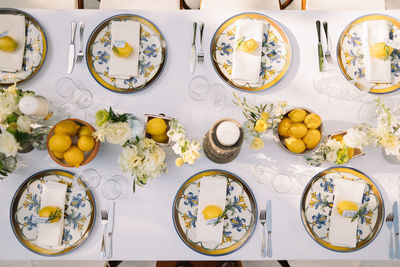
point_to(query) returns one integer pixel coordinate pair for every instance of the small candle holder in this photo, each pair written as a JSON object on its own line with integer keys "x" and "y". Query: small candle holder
{"x": 217, "y": 152}
{"x": 39, "y": 109}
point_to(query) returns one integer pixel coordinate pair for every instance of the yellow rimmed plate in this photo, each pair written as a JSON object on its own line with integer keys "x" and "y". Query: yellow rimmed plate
{"x": 152, "y": 55}
{"x": 317, "y": 201}
{"x": 276, "y": 53}
{"x": 35, "y": 50}
{"x": 239, "y": 222}
{"x": 350, "y": 56}
{"x": 79, "y": 219}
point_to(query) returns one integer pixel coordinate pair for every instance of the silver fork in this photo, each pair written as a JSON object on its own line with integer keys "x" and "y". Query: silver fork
{"x": 79, "y": 57}
{"x": 104, "y": 221}
{"x": 327, "y": 53}
{"x": 200, "y": 54}
{"x": 389, "y": 224}
{"x": 263, "y": 217}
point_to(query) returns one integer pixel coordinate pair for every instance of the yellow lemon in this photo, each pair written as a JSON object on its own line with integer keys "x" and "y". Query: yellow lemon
{"x": 58, "y": 155}
{"x": 52, "y": 213}
{"x": 337, "y": 137}
{"x": 85, "y": 143}
{"x": 346, "y": 205}
{"x": 311, "y": 139}
{"x": 297, "y": 130}
{"x": 312, "y": 121}
{"x": 211, "y": 212}
{"x": 261, "y": 126}
{"x": 162, "y": 138}
{"x": 74, "y": 156}
{"x": 265, "y": 116}
{"x": 8, "y": 44}
{"x": 380, "y": 50}
{"x": 249, "y": 46}
{"x": 295, "y": 145}
{"x": 84, "y": 130}
{"x": 284, "y": 125}
{"x": 60, "y": 142}
{"x": 124, "y": 51}
{"x": 350, "y": 152}
{"x": 156, "y": 126}
{"x": 179, "y": 162}
{"x": 257, "y": 143}
{"x": 297, "y": 115}
{"x": 68, "y": 127}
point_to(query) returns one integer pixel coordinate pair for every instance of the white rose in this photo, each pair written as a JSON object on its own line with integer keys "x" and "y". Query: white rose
{"x": 355, "y": 138}
{"x": 118, "y": 133}
{"x": 8, "y": 102}
{"x": 24, "y": 124}
{"x": 8, "y": 144}
{"x": 190, "y": 156}
{"x": 129, "y": 159}
{"x": 331, "y": 156}
{"x": 3, "y": 116}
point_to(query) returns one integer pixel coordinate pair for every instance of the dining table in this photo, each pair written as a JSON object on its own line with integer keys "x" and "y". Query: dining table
{"x": 143, "y": 227}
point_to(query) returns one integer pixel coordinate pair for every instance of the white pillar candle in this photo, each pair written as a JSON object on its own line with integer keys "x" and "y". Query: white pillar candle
{"x": 34, "y": 106}
{"x": 228, "y": 133}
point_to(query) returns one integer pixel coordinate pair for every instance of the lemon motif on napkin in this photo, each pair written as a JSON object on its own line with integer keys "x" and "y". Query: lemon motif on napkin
{"x": 248, "y": 46}
{"x": 347, "y": 208}
{"x": 211, "y": 213}
{"x": 380, "y": 50}
{"x": 122, "y": 49}
{"x": 7, "y": 44}
{"x": 51, "y": 214}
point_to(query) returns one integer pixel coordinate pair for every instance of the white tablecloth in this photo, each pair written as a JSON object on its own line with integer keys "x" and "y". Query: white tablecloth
{"x": 143, "y": 225}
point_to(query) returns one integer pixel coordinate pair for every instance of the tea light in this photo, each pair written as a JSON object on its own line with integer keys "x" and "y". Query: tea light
{"x": 228, "y": 133}
{"x": 34, "y": 106}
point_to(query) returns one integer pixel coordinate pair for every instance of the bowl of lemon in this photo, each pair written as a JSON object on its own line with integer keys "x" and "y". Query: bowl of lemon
{"x": 70, "y": 143}
{"x": 157, "y": 127}
{"x": 300, "y": 131}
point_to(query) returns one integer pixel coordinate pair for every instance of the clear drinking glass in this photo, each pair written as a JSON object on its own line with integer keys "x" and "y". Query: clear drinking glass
{"x": 282, "y": 183}
{"x": 90, "y": 177}
{"x": 74, "y": 92}
{"x": 115, "y": 187}
{"x": 217, "y": 97}
{"x": 199, "y": 88}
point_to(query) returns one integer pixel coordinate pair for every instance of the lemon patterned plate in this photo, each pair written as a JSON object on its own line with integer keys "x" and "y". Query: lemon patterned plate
{"x": 35, "y": 50}
{"x": 350, "y": 55}
{"x": 79, "y": 218}
{"x": 317, "y": 201}
{"x": 239, "y": 221}
{"x": 152, "y": 55}
{"x": 275, "y": 57}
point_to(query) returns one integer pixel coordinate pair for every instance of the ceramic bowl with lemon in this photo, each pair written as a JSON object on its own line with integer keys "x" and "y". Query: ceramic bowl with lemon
{"x": 300, "y": 131}
{"x": 157, "y": 127}
{"x": 70, "y": 143}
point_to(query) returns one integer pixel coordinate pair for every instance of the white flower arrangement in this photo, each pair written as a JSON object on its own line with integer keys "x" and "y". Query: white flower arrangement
{"x": 187, "y": 150}
{"x": 332, "y": 151}
{"x": 113, "y": 128}
{"x": 143, "y": 158}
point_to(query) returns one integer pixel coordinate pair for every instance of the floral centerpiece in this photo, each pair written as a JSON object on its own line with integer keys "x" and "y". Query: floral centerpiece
{"x": 260, "y": 118}
{"x": 16, "y": 129}
{"x": 143, "y": 158}
{"x": 113, "y": 128}
{"x": 187, "y": 150}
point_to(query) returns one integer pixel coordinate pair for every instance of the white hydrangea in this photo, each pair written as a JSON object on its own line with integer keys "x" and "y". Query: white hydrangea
{"x": 24, "y": 124}
{"x": 118, "y": 133}
{"x": 8, "y": 144}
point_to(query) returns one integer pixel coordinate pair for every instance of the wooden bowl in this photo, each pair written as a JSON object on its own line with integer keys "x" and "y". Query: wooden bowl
{"x": 89, "y": 156}
{"x": 281, "y": 139}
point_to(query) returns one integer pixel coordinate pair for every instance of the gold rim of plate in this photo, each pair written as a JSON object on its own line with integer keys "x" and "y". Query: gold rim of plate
{"x": 274, "y": 24}
{"x": 375, "y": 191}
{"x": 93, "y": 37}
{"x": 14, "y": 206}
{"x": 341, "y": 40}
{"x": 13, "y": 11}
{"x": 181, "y": 232}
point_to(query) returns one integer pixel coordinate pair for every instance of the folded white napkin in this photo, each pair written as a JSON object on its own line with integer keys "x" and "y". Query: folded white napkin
{"x": 246, "y": 66}
{"x": 212, "y": 192}
{"x": 53, "y": 194}
{"x": 128, "y": 31}
{"x": 342, "y": 232}
{"x": 15, "y": 25}
{"x": 376, "y": 70}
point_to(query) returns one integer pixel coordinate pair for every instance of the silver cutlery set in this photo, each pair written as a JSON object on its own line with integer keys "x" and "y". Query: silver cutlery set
{"x": 80, "y": 55}
{"x": 200, "y": 54}
{"x": 392, "y": 221}
{"x": 321, "y": 54}
{"x": 107, "y": 219}
{"x": 266, "y": 223}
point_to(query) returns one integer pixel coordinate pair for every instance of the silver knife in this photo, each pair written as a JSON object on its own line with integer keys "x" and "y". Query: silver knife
{"x": 110, "y": 226}
{"x": 193, "y": 50}
{"x": 269, "y": 228}
{"x": 396, "y": 229}
{"x": 71, "y": 57}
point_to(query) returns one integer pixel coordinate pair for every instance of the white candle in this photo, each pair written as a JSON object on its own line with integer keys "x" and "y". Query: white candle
{"x": 228, "y": 133}
{"x": 34, "y": 106}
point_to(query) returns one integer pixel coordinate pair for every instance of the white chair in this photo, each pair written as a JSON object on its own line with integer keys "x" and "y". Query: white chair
{"x": 240, "y": 4}
{"x": 140, "y": 4}
{"x": 343, "y": 4}
{"x": 49, "y": 4}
